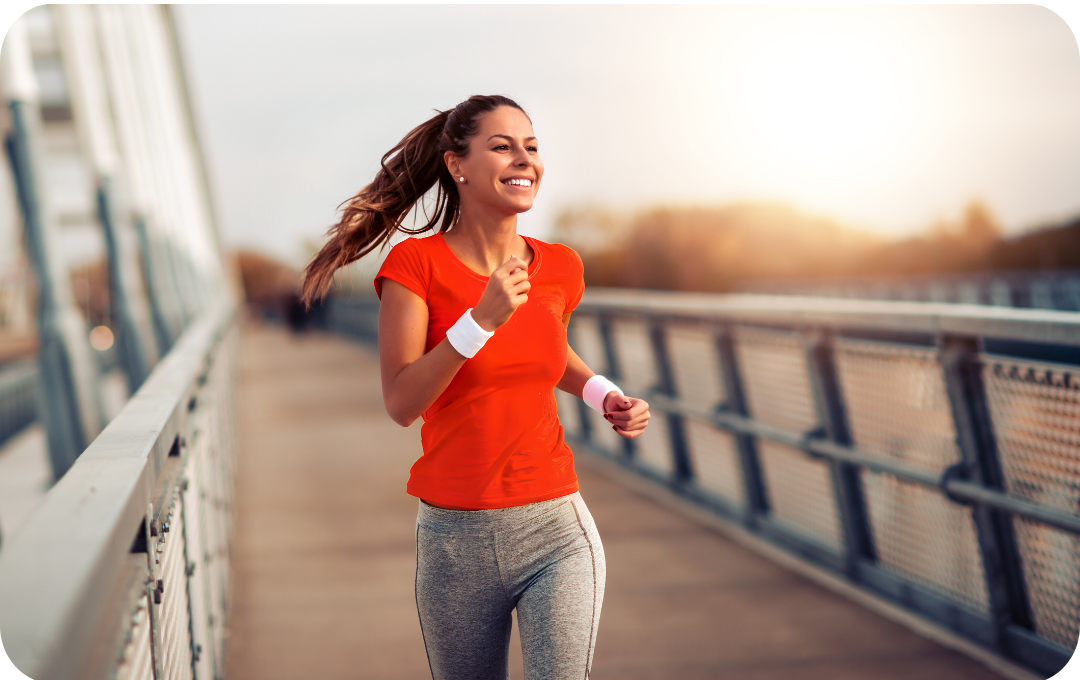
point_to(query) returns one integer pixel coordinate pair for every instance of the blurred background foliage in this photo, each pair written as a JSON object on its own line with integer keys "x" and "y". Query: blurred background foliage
{"x": 718, "y": 248}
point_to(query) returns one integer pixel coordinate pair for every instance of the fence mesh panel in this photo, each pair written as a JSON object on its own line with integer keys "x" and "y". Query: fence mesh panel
{"x": 775, "y": 378}
{"x": 634, "y": 352}
{"x": 714, "y": 459}
{"x": 136, "y": 661}
{"x": 800, "y": 493}
{"x": 1052, "y": 574}
{"x": 652, "y": 448}
{"x": 896, "y": 402}
{"x": 776, "y": 381}
{"x": 1035, "y": 409}
{"x": 175, "y": 622}
{"x": 695, "y": 364}
{"x": 923, "y": 536}
{"x": 898, "y": 408}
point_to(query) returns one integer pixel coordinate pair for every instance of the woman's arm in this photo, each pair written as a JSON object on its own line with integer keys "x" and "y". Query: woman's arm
{"x": 628, "y": 416}
{"x": 413, "y": 380}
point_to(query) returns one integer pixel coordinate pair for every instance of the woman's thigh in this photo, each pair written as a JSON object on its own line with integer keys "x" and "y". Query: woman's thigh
{"x": 559, "y": 610}
{"x": 464, "y": 609}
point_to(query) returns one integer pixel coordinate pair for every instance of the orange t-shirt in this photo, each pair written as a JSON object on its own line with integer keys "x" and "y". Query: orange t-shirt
{"x": 493, "y": 438}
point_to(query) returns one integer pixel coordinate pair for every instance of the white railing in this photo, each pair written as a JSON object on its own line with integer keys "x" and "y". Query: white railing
{"x": 122, "y": 571}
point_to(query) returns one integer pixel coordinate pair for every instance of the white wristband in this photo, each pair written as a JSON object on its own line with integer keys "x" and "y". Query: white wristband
{"x": 466, "y": 336}
{"x": 596, "y": 388}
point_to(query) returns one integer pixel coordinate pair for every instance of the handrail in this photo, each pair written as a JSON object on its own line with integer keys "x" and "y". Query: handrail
{"x": 1007, "y": 323}
{"x": 58, "y": 575}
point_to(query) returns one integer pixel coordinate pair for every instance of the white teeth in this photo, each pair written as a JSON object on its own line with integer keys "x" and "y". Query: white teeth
{"x": 520, "y": 182}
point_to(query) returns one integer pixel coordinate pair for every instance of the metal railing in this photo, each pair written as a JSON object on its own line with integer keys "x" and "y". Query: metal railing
{"x": 122, "y": 571}
{"x": 928, "y": 452}
{"x": 1050, "y": 289}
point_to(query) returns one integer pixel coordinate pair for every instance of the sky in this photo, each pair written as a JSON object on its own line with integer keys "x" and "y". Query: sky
{"x": 886, "y": 118}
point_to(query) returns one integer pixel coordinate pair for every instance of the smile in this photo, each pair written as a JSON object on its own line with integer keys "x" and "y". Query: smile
{"x": 518, "y": 182}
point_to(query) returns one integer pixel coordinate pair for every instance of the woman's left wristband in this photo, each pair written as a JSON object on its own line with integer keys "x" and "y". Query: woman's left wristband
{"x": 596, "y": 389}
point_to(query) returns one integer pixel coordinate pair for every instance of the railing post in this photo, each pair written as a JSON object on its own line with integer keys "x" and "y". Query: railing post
{"x": 683, "y": 472}
{"x": 756, "y": 500}
{"x": 828, "y": 399}
{"x": 611, "y": 356}
{"x": 582, "y": 407}
{"x": 975, "y": 437}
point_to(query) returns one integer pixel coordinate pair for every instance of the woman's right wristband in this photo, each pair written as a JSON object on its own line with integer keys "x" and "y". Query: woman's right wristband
{"x": 596, "y": 388}
{"x": 466, "y": 336}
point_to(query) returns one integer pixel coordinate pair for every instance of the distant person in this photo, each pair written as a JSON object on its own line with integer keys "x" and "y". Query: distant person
{"x": 472, "y": 336}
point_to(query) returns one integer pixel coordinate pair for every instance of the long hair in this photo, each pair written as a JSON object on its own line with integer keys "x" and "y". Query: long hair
{"x": 408, "y": 171}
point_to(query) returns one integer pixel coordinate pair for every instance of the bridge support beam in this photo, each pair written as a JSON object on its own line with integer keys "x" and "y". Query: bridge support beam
{"x": 975, "y": 438}
{"x": 70, "y": 392}
{"x": 682, "y": 472}
{"x": 757, "y": 503}
{"x": 845, "y": 476}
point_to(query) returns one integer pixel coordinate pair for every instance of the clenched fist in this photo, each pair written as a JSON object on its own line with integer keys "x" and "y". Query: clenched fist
{"x": 628, "y": 416}
{"x": 507, "y": 290}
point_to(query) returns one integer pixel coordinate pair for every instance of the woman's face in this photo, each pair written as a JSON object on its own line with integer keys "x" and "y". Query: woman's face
{"x": 503, "y": 167}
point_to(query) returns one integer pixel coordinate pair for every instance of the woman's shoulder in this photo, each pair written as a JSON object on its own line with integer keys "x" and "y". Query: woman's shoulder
{"x": 559, "y": 253}
{"x": 415, "y": 244}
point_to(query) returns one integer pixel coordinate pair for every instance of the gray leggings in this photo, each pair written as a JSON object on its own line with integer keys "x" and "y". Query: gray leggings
{"x": 474, "y": 567}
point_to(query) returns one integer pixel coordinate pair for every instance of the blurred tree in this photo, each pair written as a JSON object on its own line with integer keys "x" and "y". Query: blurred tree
{"x": 717, "y": 248}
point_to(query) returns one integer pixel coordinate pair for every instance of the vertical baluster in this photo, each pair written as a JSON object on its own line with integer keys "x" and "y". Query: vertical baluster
{"x": 975, "y": 437}
{"x": 845, "y": 477}
{"x": 611, "y": 370}
{"x": 583, "y": 409}
{"x": 756, "y": 500}
{"x": 683, "y": 474}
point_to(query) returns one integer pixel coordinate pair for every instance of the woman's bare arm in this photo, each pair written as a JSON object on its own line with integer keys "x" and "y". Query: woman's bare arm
{"x": 628, "y": 416}
{"x": 411, "y": 379}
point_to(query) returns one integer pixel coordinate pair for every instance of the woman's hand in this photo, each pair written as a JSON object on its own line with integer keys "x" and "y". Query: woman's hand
{"x": 507, "y": 290}
{"x": 628, "y": 416}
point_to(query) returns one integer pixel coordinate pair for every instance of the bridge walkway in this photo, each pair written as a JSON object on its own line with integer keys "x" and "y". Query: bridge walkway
{"x": 323, "y": 560}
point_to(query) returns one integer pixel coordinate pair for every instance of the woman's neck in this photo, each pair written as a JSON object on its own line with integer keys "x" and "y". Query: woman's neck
{"x": 484, "y": 244}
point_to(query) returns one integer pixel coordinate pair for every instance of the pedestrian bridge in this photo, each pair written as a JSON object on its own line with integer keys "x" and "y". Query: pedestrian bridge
{"x": 829, "y": 488}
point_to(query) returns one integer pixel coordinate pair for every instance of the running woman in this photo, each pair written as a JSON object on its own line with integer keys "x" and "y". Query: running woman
{"x": 472, "y": 337}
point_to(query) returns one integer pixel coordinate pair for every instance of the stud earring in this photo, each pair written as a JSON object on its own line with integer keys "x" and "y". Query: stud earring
{"x": 461, "y": 179}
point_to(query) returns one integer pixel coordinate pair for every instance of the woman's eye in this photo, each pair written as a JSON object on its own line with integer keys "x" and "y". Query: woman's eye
{"x": 502, "y": 146}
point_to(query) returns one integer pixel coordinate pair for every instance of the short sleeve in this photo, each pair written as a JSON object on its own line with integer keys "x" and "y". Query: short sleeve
{"x": 406, "y": 264}
{"x": 575, "y": 285}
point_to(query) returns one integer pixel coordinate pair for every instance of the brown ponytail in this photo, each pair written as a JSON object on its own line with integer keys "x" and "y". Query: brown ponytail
{"x": 409, "y": 170}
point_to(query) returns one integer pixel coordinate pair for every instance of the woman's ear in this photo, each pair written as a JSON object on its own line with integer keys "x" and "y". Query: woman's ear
{"x": 453, "y": 164}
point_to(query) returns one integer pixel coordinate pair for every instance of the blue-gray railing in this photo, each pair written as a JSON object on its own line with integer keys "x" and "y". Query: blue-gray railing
{"x": 929, "y": 453}
{"x": 1049, "y": 289}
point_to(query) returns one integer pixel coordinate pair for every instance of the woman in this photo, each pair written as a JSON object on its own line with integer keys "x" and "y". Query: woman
{"x": 472, "y": 336}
